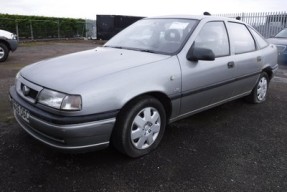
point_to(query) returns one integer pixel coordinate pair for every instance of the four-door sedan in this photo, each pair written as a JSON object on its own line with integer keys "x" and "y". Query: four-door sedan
{"x": 156, "y": 71}
{"x": 280, "y": 40}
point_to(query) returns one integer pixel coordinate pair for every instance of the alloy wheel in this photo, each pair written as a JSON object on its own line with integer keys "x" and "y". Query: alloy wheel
{"x": 262, "y": 89}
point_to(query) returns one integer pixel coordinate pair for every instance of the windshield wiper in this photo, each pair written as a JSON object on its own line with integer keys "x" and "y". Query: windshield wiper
{"x": 129, "y": 48}
{"x": 117, "y": 47}
{"x": 146, "y": 50}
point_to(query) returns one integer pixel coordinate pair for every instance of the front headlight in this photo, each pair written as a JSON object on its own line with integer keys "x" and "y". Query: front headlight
{"x": 72, "y": 102}
{"x": 51, "y": 98}
{"x": 13, "y": 36}
{"x": 59, "y": 100}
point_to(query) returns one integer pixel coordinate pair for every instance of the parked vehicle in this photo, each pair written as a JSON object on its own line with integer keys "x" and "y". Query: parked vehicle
{"x": 8, "y": 42}
{"x": 155, "y": 72}
{"x": 280, "y": 40}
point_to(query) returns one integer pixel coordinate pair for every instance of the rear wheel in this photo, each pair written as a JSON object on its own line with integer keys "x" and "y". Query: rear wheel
{"x": 140, "y": 127}
{"x": 259, "y": 92}
{"x": 4, "y": 52}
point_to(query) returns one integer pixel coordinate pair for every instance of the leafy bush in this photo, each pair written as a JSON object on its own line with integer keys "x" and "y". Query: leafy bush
{"x": 38, "y": 27}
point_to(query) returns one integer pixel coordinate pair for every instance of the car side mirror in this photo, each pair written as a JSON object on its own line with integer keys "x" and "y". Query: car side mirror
{"x": 197, "y": 53}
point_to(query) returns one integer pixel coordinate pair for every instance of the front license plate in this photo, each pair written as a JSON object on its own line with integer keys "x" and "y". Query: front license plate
{"x": 21, "y": 111}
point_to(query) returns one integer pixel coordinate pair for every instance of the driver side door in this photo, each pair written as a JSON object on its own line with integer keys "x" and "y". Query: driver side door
{"x": 207, "y": 83}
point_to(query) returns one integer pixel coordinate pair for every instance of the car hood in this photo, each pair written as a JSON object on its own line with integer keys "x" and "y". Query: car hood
{"x": 66, "y": 73}
{"x": 5, "y": 34}
{"x": 278, "y": 41}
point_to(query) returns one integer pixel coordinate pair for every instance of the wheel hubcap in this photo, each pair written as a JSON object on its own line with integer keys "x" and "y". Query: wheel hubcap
{"x": 262, "y": 89}
{"x": 1, "y": 53}
{"x": 145, "y": 128}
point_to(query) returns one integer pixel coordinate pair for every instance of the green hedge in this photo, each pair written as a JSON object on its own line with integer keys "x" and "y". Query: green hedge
{"x": 38, "y": 27}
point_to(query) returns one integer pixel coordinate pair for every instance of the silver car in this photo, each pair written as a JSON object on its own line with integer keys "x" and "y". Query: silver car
{"x": 155, "y": 72}
{"x": 8, "y": 42}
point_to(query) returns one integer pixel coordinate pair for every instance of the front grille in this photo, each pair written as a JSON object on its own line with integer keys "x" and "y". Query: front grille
{"x": 29, "y": 92}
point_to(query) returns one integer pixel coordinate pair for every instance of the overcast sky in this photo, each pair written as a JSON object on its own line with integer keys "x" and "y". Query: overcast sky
{"x": 90, "y": 8}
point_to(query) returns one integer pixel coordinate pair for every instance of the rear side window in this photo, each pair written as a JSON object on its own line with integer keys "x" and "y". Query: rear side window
{"x": 259, "y": 39}
{"x": 242, "y": 39}
{"x": 213, "y": 36}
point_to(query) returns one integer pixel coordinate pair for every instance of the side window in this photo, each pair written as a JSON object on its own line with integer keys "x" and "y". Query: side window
{"x": 213, "y": 36}
{"x": 259, "y": 39}
{"x": 241, "y": 38}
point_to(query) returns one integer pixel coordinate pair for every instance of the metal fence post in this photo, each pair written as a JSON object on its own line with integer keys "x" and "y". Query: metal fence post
{"x": 17, "y": 30}
{"x": 242, "y": 17}
{"x": 58, "y": 29}
{"x": 86, "y": 27}
{"x": 31, "y": 28}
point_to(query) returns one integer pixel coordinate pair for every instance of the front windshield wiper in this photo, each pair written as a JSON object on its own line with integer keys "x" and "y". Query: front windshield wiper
{"x": 130, "y": 48}
{"x": 146, "y": 50}
{"x": 117, "y": 47}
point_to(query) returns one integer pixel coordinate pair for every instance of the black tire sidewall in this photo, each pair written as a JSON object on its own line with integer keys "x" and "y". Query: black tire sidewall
{"x": 6, "y": 52}
{"x": 124, "y": 126}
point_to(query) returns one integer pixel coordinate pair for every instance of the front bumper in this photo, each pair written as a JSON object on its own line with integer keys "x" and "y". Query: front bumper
{"x": 80, "y": 137}
{"x": 13, "y": 44}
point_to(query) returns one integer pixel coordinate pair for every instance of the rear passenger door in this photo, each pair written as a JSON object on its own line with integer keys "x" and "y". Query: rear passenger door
{"x": 247, "y": 59}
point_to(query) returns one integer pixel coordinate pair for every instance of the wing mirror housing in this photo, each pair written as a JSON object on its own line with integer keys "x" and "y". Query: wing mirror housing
{"x": 198, "y": 53}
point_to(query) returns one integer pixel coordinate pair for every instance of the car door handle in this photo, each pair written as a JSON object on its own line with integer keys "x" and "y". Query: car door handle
{"x": 230, "y": 64}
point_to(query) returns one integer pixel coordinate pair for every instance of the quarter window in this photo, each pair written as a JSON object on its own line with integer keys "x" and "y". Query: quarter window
{"x": 259, "y": 39}
{"x": 242, "y": 40}
{"x": 213, "y": 36}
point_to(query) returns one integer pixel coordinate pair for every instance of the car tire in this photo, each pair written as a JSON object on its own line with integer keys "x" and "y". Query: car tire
{"x": 4, "y": 52}
{"x": 140, "y": 127}
{"x": 259, "y": 92}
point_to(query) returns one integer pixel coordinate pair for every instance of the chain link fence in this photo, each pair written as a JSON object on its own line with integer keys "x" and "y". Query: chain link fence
{"x": 91, "y": 29}
{"x": 29, "y": 29}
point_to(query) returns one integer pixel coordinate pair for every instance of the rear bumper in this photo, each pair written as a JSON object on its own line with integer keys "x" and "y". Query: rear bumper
{"x": 76, "y": 137}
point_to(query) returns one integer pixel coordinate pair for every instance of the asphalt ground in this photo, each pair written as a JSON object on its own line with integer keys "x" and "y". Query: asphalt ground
{"x": 234, "y": 147}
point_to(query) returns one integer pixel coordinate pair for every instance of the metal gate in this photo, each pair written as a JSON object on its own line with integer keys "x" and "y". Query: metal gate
{"x": 268, "y": 23}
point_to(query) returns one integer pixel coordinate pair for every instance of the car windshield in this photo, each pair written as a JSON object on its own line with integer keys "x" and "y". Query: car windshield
{"x": 165, "y": 36}
{"x": 282, "y": 34}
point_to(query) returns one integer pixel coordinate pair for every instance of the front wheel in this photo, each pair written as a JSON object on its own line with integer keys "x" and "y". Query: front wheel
{"x": 259, "y": 92}
{"x": 140, "y": 127}
{"x": 4, "y": 52}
